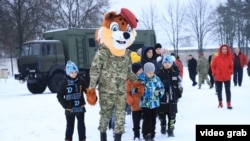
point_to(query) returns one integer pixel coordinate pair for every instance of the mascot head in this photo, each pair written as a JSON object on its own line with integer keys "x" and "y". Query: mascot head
{"x": 117, "y": 31}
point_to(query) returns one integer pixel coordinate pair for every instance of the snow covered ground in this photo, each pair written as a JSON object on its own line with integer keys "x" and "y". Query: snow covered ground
{"x": 28, "y": 117}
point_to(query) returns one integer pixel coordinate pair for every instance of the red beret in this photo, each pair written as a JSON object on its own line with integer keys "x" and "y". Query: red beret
{"x": 129, "y": 17}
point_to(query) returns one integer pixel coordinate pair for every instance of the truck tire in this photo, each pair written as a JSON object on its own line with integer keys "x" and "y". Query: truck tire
{"x": 55, "y": 80}
{"x": 36, "y": 88}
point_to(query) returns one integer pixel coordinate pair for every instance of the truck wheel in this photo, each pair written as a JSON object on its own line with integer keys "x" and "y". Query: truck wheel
{"x": 36, "y": 88}
{"x": 55, "y": 80}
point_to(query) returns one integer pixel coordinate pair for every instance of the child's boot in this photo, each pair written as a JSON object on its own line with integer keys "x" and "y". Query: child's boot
{"x": 171, "y": 128}
{"x": 229, "y": 105}
{"x": 103, "y": 136}
{"x": 163, "y": 129}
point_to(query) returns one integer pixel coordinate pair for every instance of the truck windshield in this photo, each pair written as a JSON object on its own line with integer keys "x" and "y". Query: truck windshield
{"x": 31, "y": 49}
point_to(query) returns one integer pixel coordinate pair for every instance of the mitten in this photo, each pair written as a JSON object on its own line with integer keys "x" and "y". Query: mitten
{"x": 180, "y": 91}
{"x": 139, "y": 88}
{"x": 91, "y": 96}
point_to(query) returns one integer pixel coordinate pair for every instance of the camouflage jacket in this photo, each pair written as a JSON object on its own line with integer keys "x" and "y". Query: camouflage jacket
{"x": 110, "y": 72}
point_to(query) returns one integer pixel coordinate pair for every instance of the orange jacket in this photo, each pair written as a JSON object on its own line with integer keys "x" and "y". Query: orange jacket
{"x": 133, "y": 100}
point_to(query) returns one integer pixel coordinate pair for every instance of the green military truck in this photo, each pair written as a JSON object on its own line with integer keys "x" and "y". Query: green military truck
{"x": 42, "y": 62}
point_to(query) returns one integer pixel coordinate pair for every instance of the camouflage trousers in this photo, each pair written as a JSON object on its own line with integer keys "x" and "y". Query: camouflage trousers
{"x": 107, "y": 102}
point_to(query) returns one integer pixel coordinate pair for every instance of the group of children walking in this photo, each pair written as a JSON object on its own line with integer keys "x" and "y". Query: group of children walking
{"x": 161, "y": 93}
{"x": 154, "y": 95}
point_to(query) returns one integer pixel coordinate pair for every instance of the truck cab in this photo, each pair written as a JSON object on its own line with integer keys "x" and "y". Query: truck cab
{"x": 39, "y": 59}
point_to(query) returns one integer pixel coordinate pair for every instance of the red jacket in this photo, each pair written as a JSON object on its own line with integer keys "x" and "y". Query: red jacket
{"x": 222, "y": 65}
{"x": 180, "y": 66}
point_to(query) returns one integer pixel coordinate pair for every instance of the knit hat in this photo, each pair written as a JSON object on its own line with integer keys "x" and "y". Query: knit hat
{"x": 158, "y": 45}
{"x": 168, "y": 58}
{"x": 70, "y": 67}
{"x": 149, "y": 67}
{"x": 136, "y": 67}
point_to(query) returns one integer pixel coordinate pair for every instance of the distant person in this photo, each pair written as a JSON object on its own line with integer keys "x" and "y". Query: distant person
{"x": 178, "y": 63}
{"x": 158, "y": 48}
{"x": 222, "y": 68}
{"x": 71, "y": 96}
{"x": 248, "y": 68}
{"x": 173, "y": 91}
{"x": 150, "y": 101}
{"x": 240, "y": 61}
{"x": 192, "y": 69}
{"x": 210, "y": 60}
{"x": 202, "y": 69}
{"x": 148, "y": 54}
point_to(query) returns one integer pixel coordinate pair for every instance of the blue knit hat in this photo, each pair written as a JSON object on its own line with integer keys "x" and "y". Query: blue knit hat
{"x": 70, "y": 67}
{"x": 168, "y": 58}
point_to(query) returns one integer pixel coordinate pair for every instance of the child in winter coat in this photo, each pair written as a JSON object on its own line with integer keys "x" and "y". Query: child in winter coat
{"x": 133, "y": 99}
{"x": 70, "y": 96}
{"x": 150, "y": 101}
{"x": 173, "y": 91}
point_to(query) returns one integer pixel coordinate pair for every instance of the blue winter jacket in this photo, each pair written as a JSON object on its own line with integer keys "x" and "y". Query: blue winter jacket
{"x": 153, "y": 91}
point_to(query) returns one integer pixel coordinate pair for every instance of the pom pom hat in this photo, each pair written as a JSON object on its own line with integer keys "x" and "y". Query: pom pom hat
{"x": 168, "y": 58}
{"x": 70, "y": 67}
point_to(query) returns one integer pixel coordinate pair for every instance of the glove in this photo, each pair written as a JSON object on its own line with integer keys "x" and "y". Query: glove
{"x": 157, "y": 93}
{"x": 180, "y": 92}
{"x": 91, "y": 96}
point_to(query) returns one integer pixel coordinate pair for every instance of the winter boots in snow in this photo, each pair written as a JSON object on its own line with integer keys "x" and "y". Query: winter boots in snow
{"x": 229, "y": 106}
{"x": 220, "y": 104}
{"x": 148, "y": 137}
{"x": 170, "y": 130}
{"x": 163, "y": 129}
{"x": 118, "y": 137}
{"x": 103, "y": 136}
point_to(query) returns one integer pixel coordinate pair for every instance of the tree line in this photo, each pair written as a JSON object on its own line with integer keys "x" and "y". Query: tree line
{"x": 197, "y": 20}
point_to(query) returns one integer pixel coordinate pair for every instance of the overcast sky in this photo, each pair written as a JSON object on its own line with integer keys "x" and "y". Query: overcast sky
{"x": 136, "y": 7}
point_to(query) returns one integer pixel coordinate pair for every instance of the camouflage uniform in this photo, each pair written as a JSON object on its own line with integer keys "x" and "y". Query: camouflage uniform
{"x": 202, "y": 69}
{"x": 110, "y": 73}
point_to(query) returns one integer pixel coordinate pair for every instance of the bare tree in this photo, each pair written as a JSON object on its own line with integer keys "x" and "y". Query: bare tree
{"x": 80, "y": 13}
{"x": 199, "y": 16}
{"x": 150, "y": 16}
{"x": 172, "y": 23}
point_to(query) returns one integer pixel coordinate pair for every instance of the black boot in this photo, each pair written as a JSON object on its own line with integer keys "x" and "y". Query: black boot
{"x": 103, "y": 136}
{"x": 171, "y": 132}
{"x": 118, "y": 137}
{"x": 171, "y": 128}
{"x": 163, "y": 130}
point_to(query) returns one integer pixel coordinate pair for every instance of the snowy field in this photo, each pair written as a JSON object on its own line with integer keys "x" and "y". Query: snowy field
{"x": 28, "y": 117}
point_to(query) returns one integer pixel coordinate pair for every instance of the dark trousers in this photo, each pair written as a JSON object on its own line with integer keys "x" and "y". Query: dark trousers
{"x": 149, "y": 121}
{"x": 227, "y": 90}
{"x": 162, "y": 117}
{"x": 192, "y": 76}
{"x": 211, "y": 78}
{"x": 80, "y": 126}
{"x": 136, "y": 116}
{"x": 238, "y": 76}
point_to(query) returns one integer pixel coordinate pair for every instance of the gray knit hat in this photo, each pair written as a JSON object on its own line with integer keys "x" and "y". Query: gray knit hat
{"x": 149, "y": 67}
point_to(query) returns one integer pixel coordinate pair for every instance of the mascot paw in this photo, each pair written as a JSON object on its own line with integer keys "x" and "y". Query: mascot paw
{"x": 91, "y": 96}
{"x": 137, "y": 85}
